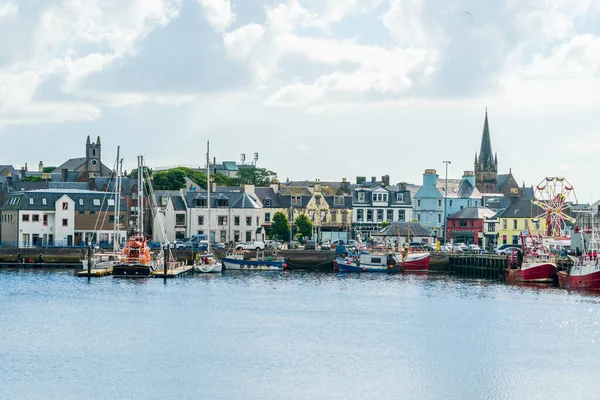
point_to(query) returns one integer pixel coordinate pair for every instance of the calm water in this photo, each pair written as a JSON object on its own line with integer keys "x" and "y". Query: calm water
{"x": 293, "y": 336}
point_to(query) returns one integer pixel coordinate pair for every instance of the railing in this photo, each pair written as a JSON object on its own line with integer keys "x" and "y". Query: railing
{"x": 54, "y": 244}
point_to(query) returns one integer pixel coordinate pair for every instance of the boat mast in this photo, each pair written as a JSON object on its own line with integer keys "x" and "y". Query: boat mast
{"x": 116, "y": 207}
{"x": 141, "y": 195}
{"x": 208, "y": 188}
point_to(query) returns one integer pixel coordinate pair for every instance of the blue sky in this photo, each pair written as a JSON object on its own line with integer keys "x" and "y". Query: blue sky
{"x": 320, "y": 88}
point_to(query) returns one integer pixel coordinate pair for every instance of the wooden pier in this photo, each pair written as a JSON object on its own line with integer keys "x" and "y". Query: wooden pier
{"x": 173, "y": 272}
{"x": 479, "y": 266}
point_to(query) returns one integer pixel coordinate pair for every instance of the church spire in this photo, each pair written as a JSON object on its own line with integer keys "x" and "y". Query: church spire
{"x": 485, "y": 153}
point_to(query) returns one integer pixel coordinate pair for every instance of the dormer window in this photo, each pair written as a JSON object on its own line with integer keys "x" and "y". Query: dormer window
{"x": 361, "y": 197}
{"x": 338, "y": 201}
{"x": 222, "y": 202}
{"x": 267, "y": 202}
{"x": 31, "y": 201}
{"x": 296, "y": 200}
{"x": 400, "y": 197}
{"x": 81, "y": 202}
{"x": 43, "y": 201}
{"x": 111, "y": 202}
{"x": 65, "y": 205}
{"x": 97, "y": 202}
{"x": 200, "y": 202}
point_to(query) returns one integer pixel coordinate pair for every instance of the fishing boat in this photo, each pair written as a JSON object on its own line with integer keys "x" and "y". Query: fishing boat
{"x": 235, "y": 260}
{"x": 137, "y": 260}
{"x": 415, "y": 259}
{"x": 585, "y": 273}
{"x": 207, "y": 263}
{"x": 536, "y": 264}
{"x": 368, "y": 262}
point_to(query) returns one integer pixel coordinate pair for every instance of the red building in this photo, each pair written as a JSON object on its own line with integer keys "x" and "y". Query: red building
{"x": 466, "y": 225}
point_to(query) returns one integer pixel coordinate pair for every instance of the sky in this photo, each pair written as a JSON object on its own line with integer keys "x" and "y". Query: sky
{"x": 326, "y": 89}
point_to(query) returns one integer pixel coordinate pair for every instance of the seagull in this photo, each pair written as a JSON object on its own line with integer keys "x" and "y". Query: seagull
{"x": 466, "y": 12}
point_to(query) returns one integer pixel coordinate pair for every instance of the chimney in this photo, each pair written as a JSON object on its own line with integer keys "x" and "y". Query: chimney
{"x": 318, "y": 186}
{"x": 373, "y": 179}
{"x": 213, "y": 187}
{"x": 360, "y": 179}
{"x": 92, "y": 181}
{"x": 65, "y": 173}
{"x": 26, "y": 167}
{"x": 430, "y": 178}
{"x": 345, "y": 185}
{"x": 1, "y": 195}
{"x": 41, "y": 167}
{"x": 469, "y": 176}
{"x": 402, "y": 186}
{"x": 23, "y": 169}
{"x": 385, "y": 180}
{"x": 249, "y": 189}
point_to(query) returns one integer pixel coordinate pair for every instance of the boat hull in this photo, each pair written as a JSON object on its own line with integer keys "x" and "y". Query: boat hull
{"x": 252, "y": 265}
{"x": 533, "y": 272}
{"x": 581, "y": 277}
{"x": 345, "y": 266}
{"x": 416, "y": 263}
{"x": 132, "y": 270}
{"x": 208, "y": 269}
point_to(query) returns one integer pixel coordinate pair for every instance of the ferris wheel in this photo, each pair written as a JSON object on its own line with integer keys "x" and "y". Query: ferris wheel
{"x": 555, "y": 196}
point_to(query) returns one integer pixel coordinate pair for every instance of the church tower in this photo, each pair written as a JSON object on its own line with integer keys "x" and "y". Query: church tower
{"x": 486, "y": 164}
{"x": 93, "y": 152}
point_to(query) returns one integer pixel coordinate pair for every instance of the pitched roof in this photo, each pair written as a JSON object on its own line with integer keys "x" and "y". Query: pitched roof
{"x": 52, "y": 196}
{"x": 403, "y": 229}
{"x": 267, "y": 193}
{"x": 234, "y": 199}
{"x": 521, "y": 209}
{"x": 71, "y": 164}
{"x": 473, "y": 213}
{"x": 294, "y": 191}
{"x": 458, "y": 188}
{"x": 230, "y": 166}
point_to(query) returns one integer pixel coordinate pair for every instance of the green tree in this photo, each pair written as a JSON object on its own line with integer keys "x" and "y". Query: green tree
{"x": 48, "y": 170}
{"x": 280, "y": 226}
{"x": 196, "y": 176}
{"x": 133, "y": 173}
{"x": 173, "y": 179}
{"x": 256, "y": 176}
{"x": 224, "y": 180}
{"x": 304, "y": 226}
{"x": 385, "y": 224}
{"x": 31, "y": 178}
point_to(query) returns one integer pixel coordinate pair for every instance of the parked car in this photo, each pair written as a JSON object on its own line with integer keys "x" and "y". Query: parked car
{"x": 325, "y": 246}
{"x": 273, "y": 244}
{"x": 154, "y": 245}
{"x": 199, "y": 245}
{"x": 446, "y": 247}
{"x": 337, "y": 242}
{"x": 217, "y": 245}
{"x": 256, "y": 245}
{"x": 177, "y": 245}
{"x": 473, "y": 248}
{"x": 310, "y": 245}
{"x": 508, "y": 249}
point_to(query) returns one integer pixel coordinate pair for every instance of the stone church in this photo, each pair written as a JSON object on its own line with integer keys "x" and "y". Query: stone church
{"x": 90, "y": 166}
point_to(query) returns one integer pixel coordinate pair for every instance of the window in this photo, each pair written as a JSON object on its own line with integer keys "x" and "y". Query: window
{"x": 515, "y": 224}
{"x": 96, "y": 202}
{"x": 267, "y": 202}
{"x": 257, "y": 221}
{"x": 111, "y": 202}
{"x": 369, "y": 215}
{"x": 515, "y": 239}
{"x": 360, "y": 215}
{"x": 200, "y": 232}
{"x": 248, "y": 221}
{"x": 439, "y": 218}
{"x": 419, "y": 217}
{"x": 248, "y": 236}
{"x": 504, "y": 224}
{"x": 222, "y": 221}
{"x": 222, "y": 202}
{"x": 462, "y": 223}
{"x": 526, "y": 224}
{"x": 318, "y": 200}
{"x": 35, "y": 218}
{"x": 267, "y": 217}
{"x": 81, "y": 202}
{"x": 111, "y": 219}
{"x": 419, "y": 203}
{"x": 401, "y": 215}
{"x": 201, "y": 220}
{"x": 468, "y": 203}
{"x": 361, "y": 197}
{"x": 65, "y": 205}
{"x": 44, "y": 201}
{"x": 385, "y": 197}
{"x": 491, "y": 227}
{"x": 25, "y": 218}
{"x": 376, "y": 260}
{"x": 296, "y": 200}
{"x": 400, "y": 197}
{"x": 390, "y": 215}
{"x": 65, "y": 222}
{"x": 450, "y": 203}
{"x": 537, "y": 224}
{"x": 31, "y": 200}
{"x": 200, "y": 202}
{"x": 179, "y": 219}
{"x": 439, "y": 202}
{"x": 223, "y": 236}
{"x": 380, "y": 215}
{"x": 338, "y": 201}
{"x": 236, "y": 236}
{"x": 236, "y": 221}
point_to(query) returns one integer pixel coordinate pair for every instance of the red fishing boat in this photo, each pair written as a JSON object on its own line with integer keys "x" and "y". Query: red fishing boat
{"x": 415, "y": 262}
{"x": 585, "y": 273}
{"x": 536, "y": 264}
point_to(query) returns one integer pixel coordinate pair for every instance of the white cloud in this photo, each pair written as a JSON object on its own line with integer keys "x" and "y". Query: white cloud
{"x": 218, "y": 13}
{"x": 240, "y": 42}
{"x": 8, "y": 9}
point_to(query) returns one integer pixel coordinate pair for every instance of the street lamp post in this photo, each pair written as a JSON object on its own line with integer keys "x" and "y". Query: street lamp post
{"x": 445, "y": 201}
{"x": 291, "y": 216}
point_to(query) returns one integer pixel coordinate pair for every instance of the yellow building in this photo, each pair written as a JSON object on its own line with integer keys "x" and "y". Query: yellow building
{"x": 522, "y": 216}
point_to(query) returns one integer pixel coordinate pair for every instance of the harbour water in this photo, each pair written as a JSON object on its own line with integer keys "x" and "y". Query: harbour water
{"x": 293, "y": 336}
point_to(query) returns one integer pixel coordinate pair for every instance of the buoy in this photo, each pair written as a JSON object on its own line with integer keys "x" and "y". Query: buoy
{"x": 364, "y": 269}
{"x": 284, "y": 266}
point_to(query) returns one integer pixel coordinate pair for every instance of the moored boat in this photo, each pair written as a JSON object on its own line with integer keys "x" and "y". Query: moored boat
{"x": 585, "y": 273}
{"x": 537, "y": 264}
{"x": 234, "y": 260}
{"x": 368, "y": 262}
{"x": 415, "y": 262}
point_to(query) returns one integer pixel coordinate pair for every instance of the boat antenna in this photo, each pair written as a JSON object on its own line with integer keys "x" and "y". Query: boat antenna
{"x": 208, "y": 190}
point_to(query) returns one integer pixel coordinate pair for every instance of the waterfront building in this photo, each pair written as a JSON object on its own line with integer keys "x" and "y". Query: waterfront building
{"x": 469, "y": 226}
{"x": 428, "y": 204}
{"x": 376, "y": 202}
{"x": 235, "y": 216}
{"x": 171, "y": 217}
{"x": 59, "y": 218}
{"x": 520, "y": 217}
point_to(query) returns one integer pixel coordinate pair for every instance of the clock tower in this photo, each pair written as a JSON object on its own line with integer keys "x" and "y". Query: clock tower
{"x": 93, "y": 160}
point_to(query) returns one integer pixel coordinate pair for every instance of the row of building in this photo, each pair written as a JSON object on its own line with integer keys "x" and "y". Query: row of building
{"x": 76, "y": 204}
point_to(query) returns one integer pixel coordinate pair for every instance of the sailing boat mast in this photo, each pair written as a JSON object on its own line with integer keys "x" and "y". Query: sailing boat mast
{"x": 141, "y": 195}
{"x": 208, "y": 189}
{"x": 117, "y": 205}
